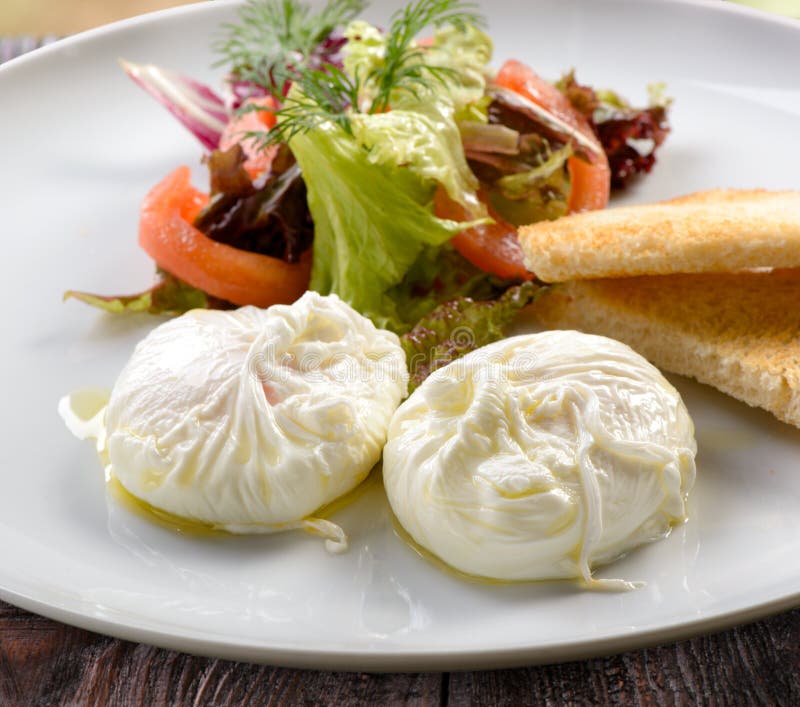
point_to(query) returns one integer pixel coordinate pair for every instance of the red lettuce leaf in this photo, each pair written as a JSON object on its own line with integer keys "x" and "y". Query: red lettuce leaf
{"x": 269, "y": 216}
{"x": 459, "y": 326}
{"x": 630, "y": 136}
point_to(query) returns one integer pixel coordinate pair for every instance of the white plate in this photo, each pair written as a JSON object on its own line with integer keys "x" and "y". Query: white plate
{"x": 81, "y": 145}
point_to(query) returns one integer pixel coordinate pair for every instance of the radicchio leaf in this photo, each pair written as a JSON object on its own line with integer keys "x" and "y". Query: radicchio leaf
{"x": 195, "y": 105}
{"x": 630, "y": 136}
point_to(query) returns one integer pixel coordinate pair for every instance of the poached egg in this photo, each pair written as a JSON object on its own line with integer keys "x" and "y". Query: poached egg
{"x": 250, "y": 420}
{"x": 539, "y": 457}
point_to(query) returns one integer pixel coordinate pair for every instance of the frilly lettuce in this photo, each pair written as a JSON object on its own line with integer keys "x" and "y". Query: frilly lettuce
{"x": 467, "y": 52}
{"x": 464, "y": 51}
{"x": 459, "y": 326}
{"x": 363, "y": 54}
{"x": 424, "y": 139}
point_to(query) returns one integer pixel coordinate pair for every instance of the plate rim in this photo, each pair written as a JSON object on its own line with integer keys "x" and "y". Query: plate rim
{"x": 716, "y": 6}
{"x": 131, "y": 627}
{"x": 400, "y": 659}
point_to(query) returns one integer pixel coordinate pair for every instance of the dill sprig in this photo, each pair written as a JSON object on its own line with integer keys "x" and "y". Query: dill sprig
{"x": 404, "y": 68}
{"x": 327, "y": 94}
{"x": 322, "y": 96}
{"x": 275, "y": 39}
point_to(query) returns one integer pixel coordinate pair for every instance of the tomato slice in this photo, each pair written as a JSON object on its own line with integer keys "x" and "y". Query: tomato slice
{"x": 493, "y": 248}
{"x": 590, "y": 182}
{"x": 167, "y": 235}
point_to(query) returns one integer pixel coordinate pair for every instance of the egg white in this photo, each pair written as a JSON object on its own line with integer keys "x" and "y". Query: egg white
{"x": 539, "y": 457}
{"x": 250, "y": 420}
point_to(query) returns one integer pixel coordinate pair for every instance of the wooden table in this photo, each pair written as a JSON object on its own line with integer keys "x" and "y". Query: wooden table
{"x": 45, "y": 662}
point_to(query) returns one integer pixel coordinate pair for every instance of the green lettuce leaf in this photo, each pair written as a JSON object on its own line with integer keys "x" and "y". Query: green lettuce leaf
{"x": 372, "y": 218}
{"x": 459, "y": 326}
{"x": 371, "y": 172}
{"x": 168, "y": 296}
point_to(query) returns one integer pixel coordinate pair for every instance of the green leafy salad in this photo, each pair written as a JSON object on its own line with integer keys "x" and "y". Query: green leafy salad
{"x": 390, "y": 166}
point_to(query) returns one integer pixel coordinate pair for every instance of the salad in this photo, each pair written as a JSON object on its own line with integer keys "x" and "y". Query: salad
{"x": 390, "y": 166}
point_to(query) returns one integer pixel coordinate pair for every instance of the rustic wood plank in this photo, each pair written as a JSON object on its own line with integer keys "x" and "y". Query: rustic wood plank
{"x": 44, "y": 662}
{"x": 756, "y": 664}
{"x": 48, "y": 663}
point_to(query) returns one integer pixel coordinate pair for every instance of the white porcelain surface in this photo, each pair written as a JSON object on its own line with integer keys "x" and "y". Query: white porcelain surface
{"x": 81, "y": 144}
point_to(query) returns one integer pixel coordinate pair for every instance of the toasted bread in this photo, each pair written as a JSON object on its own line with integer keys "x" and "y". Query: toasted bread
{"x": 713, "y": 231}
{"x": 739, "y": 332}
